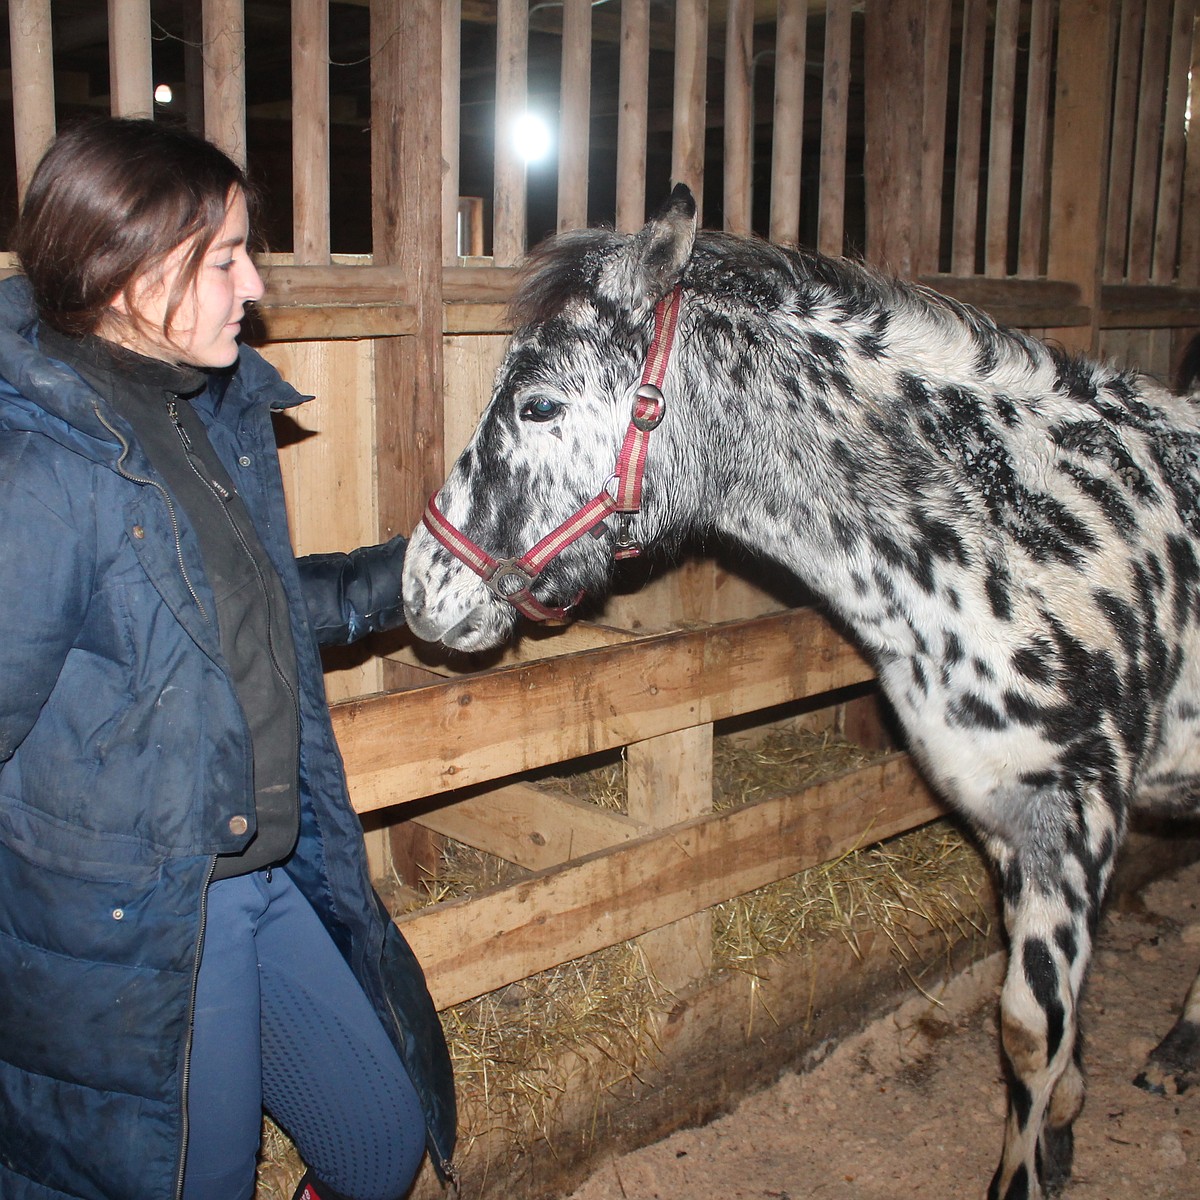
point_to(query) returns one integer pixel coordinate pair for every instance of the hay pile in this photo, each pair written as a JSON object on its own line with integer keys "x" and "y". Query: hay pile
{"x": 509, "y": 1046}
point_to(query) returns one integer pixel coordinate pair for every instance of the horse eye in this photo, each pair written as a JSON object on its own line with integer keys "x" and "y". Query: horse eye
{"x": 542, "y": 408}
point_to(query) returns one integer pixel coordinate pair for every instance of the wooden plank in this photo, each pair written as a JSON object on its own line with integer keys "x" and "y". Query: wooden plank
{"x": 479, "y": 285}
{"x": 933, "y": 134}
{"x": 1081, "y": 126}
{"x": 310, "y": 131}
{"x": 670, "y": 779}
{"x": 967, "y": 158}
{"x": 476, "y": 318}
{"x": 363, "y": 284}
{"x": 1189, "y": 232}
{"x": 1031, "y": 237}
{"x": 689, "y": 103}
{"x": 1124, "y": 124}
{"x": 225, "y": 76}
{"x": 530, "y": 826}
{"x": 1000, "y": 139}
{"x": 1027, "y": 303}
{"x": 469, "y": 367}
{"x": 895, "y": 55}
{"x": 633, "y": 115}
{"x": 1174, "y": 143}
{"x": 451, "y": 125}
{"x": 1147, "y": 152}
{"x": 738, "y": 167}
{"x": 471, "y": 946}
{"x": 514, "y": 719}
{"x": 131, "y": 82}
{"x": 1149, "y": 306}
{"x": 835, "y": 107}
{"x": 333, "y": 322}
{"x": 31, "y": 57}
{"x": 574, "y": 138}
{"x": 512, "y": 73}
{"x": 787, "y": 133}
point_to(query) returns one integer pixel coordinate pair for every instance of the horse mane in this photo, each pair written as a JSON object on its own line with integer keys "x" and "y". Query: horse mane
{"x": 565, "y": 268}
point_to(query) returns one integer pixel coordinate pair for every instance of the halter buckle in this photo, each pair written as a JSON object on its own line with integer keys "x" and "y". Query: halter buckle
{"x": 508, "y": 579}
{"x": 648, "y": 409}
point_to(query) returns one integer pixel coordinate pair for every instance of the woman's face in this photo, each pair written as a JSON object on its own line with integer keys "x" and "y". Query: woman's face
{"x": 205, "y": 327}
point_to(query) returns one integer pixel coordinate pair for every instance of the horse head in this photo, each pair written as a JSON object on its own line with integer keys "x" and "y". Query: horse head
{"x": 538, "y": 506}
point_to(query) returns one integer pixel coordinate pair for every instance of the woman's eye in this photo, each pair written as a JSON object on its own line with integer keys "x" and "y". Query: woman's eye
{"x": 541, "y": 408}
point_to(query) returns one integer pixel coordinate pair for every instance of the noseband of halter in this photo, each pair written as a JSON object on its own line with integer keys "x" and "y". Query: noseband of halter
{"x": 512, "y": 579}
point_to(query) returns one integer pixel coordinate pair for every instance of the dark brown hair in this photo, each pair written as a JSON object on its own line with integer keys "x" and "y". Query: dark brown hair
{"x": 109, "y": 201}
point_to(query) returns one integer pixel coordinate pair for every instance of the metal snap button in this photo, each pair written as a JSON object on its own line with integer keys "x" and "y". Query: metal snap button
{"x": 139, "y": 532}
{"x": 238, "y": 825}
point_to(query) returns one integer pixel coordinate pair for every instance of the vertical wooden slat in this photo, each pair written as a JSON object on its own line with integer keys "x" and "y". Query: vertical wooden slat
{"x": 835, "y": 105}
{"x": 575, "y": 107}
{"x": 130, "y": 72}
{"x": 1189, "y": 233}
{"x": 1147, "y": 148}
{"x": 310, "y": 131}
{"x": 512, "y": 75}
{"x": 1120, "y": 166}
{"x": 691, "y": 78}
{"x": 1031, "y": 240}
{"x": 739, "y": 116}
{"x": 1170, "y": 178}
{"x": 632, "y": 117}
{"x": 451, "y": 88}
{"x": 225, "y": 76}
{"x": 787, "y": 140}
{"x": 894, "y": 58}
{"x": 406, "y": 189}
{"x": 933, "y": 134}
{"x": 32, "y": 65}
{"x": 970, "y": 126}
{"x": 1000, "y": 140}
{"x": 670, "y": 779}
{"x": 1081, "y": 129}
{"x": 193, "y": 67}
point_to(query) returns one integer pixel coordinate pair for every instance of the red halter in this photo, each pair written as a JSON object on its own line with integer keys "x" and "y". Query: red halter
{"x": 512, "y": 579}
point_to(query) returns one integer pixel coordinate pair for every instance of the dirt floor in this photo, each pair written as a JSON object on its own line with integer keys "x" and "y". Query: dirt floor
{"x": 913, "y": 1106}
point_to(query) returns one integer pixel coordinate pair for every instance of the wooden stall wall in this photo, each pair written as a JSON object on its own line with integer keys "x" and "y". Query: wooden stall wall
{"x": 1028, "y": 156}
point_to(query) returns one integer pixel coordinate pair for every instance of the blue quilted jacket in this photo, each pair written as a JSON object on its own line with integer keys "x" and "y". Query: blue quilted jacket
{"x": 125, "y": 765}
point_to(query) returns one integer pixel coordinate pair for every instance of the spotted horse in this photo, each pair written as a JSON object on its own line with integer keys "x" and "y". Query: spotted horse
{"x": 1010, "y": 532}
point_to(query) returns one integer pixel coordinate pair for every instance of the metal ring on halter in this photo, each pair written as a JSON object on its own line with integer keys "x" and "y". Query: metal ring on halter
{"x": 651, "y": 420}
{"x": 509, "y": 578}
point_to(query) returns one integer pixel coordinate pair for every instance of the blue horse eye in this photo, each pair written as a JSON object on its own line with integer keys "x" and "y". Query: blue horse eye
{"x": 542, "y": 408}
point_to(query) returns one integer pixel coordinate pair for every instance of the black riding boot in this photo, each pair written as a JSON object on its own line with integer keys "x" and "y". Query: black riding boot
{"x": 311, "y": 1188}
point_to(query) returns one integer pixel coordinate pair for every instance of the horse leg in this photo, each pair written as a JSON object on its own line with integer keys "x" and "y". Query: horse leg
{"x": 1174, "y": 1064}
{"x": 1051, "y": 898}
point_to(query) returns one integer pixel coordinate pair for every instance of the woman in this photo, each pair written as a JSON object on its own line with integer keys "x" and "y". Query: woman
{"x": 187, "y": 929}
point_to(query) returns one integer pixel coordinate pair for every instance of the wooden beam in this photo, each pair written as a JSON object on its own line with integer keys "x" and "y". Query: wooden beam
{"x": 738, "y": 167}
{"x": 32, "y": 60}
{"x": 574, "y": 126}
{"x": 130, "y": 74}
{"x": 224, "y": 36}
{"x": 502, "y": 722}
{"x": 787, "y": 132}
{"x": 633, "y": 114}
{"x": 475, "y": 945}
{"x": 512, "y": 86}
{"x": 691, "y": 76}
{"x": 530, "y": 826}
{"x": 310, "y": 131}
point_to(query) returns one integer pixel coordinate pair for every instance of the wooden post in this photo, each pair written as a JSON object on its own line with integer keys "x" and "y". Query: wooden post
{"x": 691, "y": 80}
{"x": 1166, "y": 229}
{"x": 831, "y": 215}
{"x": 739, "y": 115}
{"x": 933, "y": 135}
{"x": 32, "y": 84}
{"x": 1189, "y": 231}
{"x": 225, "y": 76}
{"x": 967, "y": 153}
{"x": 310, "y": 131}
{"x": 895, "y": 57}
{"x": 787, "y": 141}
{"x": 451, "y": 79}
{"x": 1146, "y": 155}
{"x": 1080, "y": 163}
{"x": 130, "y": 73}
{"x": 670, "y": 779}
{"x": 1032, "y": 241}
{"x": 512, "y": 73}
{"x": 999, "y": 177}
{"x": 632, "y": 117}
{"x": 575, "y": 115}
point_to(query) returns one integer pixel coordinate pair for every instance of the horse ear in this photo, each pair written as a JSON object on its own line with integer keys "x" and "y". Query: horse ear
{"x": 653, "y": 260}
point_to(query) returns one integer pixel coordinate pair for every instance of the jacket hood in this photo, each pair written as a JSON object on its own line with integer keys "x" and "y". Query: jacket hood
{"x": 39, "y": 393}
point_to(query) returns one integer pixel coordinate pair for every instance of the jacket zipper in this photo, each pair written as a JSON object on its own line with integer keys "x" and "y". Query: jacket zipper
{"x": 125, "y": 449}
{"x": 224, "y": 496}
{"x": 186, "y": 1071}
